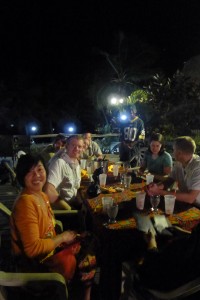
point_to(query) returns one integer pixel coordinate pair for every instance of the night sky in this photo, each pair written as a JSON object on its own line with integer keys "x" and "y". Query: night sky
{"x": 54, "y": 37}
{"x": 57, "y": 40}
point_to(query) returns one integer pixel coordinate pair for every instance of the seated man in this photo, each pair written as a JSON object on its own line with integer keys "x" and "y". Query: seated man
{"x": 49, "y": 151}
{"x": 92, "y": 149}
{"x": 186, "y": 173}
{"x": 64, "y": 176}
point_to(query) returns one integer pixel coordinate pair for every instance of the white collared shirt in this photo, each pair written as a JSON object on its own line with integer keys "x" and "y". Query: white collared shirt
{"x": 65, "y": 175}
{"x": 188, "y": 178}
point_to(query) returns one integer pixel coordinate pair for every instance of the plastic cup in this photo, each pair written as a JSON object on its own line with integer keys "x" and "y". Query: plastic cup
{"x": 169, "y": 204}
{"x": 106, "y": 203}
{"x": 140, "y": 199}
{"x": 102, "y": 179}
{"x": 89, "y": 171}
{"x": 83, "y": 163}
{"x": 115, "y": 170}
{"x": 149, "y": 178}
{"x": 127, "y": 181}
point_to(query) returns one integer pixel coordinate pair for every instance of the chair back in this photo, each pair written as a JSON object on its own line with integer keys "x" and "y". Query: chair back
{"x": 5, "y": 210}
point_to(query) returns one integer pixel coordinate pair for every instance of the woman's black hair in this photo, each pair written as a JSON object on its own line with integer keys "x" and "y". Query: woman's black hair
{"x": 158, "y": 137}
{"x": 24, "y": 165}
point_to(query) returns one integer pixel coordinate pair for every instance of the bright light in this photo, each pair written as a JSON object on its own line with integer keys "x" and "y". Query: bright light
{"x": 71, "y": 129}
{"x": 123, "y": 117}
{"x": 33, "y": 128}
{"x": 113, "y": 101}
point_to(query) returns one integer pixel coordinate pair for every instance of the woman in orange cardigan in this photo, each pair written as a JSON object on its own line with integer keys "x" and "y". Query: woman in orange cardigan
{"x": 33, "y": 229}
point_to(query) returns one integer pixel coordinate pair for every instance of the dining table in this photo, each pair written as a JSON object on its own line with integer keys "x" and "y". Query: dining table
{"x": 122, "y": 241}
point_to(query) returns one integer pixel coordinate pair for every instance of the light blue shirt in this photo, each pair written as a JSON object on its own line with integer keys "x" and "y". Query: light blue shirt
{"x": 157, "y": 165}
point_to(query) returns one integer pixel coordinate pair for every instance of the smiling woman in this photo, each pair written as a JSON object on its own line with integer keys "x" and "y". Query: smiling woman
{"x": 156, "y": 160}
{"x": 35, "y": 244}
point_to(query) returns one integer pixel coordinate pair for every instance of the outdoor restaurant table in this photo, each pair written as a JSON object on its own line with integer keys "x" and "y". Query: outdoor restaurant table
{"x": 124, "y": 232}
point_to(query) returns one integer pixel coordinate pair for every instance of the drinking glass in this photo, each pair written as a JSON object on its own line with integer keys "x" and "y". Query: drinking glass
{"x": 121, "y": 178}
{"x": 112, "y": 211}
{"x": 127, "y": 181}
{"x": 155, "y": 200}
{"x": 115, "y": 171}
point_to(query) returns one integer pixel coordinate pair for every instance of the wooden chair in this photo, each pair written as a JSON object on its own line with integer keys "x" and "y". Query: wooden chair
{"x": 32, "y": 286}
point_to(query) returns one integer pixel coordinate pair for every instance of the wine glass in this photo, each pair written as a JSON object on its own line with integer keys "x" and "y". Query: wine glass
{"x": 112, "y": 211}
{"x": 121, "y": 178}
{"x": 155, "y": 200}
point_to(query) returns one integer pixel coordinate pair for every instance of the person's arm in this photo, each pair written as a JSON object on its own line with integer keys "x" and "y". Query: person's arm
{"x": 54, "y": 198}
{"x": 160, "y": 177}
{"x": 187, "y": 197}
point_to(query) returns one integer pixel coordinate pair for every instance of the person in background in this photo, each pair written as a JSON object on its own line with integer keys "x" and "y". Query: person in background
{"x": 156, "y": 160}
{"x": 93, "y": 149}
{"x": 86, "y": 144}
{"x": 131, "y": 132}
{"x": 185, "y": 173}
{"x": 64, "y": 176}
{"x": 49, "y": 151}
{"x": 34, "y": 241}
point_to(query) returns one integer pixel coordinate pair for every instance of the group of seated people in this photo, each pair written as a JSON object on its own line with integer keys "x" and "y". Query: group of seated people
{"x": 33, "y": 221}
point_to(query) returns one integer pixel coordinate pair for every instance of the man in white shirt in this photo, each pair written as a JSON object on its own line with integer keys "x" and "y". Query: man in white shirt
{"x": 64, "y": 176}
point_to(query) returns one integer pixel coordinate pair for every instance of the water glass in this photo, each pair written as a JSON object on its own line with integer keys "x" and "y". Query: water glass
{"x": 169, "y": 204}
{"x": 121, "y": 178}
{"x": 115, "y": 170}
{"x": 127, "y": 181}
{"x": 83, "y": 164}
{"x": 140, "y": 199}
{"x": 106, "y": 203}
{"x": 112, "y": 212}
{"x": 102, "y": 179}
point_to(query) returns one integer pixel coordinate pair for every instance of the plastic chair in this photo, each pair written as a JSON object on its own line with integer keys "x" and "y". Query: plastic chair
{"x": 181, "y": 292}
{"x": 32, "y": 286}
{"x": 142, "y": 293}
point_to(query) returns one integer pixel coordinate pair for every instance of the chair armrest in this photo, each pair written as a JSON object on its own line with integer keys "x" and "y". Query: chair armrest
{"x": 58, "y": 226}
{"x": 64, "y": 212}
{"x": 8, "y": 279}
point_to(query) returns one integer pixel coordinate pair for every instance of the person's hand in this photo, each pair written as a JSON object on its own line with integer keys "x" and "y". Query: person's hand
{"x": 68, "y": 236}
{"x": 153, "y": 189}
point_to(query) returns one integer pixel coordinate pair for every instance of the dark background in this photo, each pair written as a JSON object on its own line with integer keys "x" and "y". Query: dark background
{"x": 56, "y": 43}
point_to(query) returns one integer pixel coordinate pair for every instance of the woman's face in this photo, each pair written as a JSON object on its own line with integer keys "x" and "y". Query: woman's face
{"x": 35, "y": 178}
{"x": 155, "y": 147}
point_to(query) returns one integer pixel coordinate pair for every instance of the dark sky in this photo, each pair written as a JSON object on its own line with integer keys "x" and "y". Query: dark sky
{"x": 52, "y": 38}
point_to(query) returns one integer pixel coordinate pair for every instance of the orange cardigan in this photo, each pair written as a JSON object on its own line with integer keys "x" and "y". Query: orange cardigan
{"x": 32, "y": 226}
